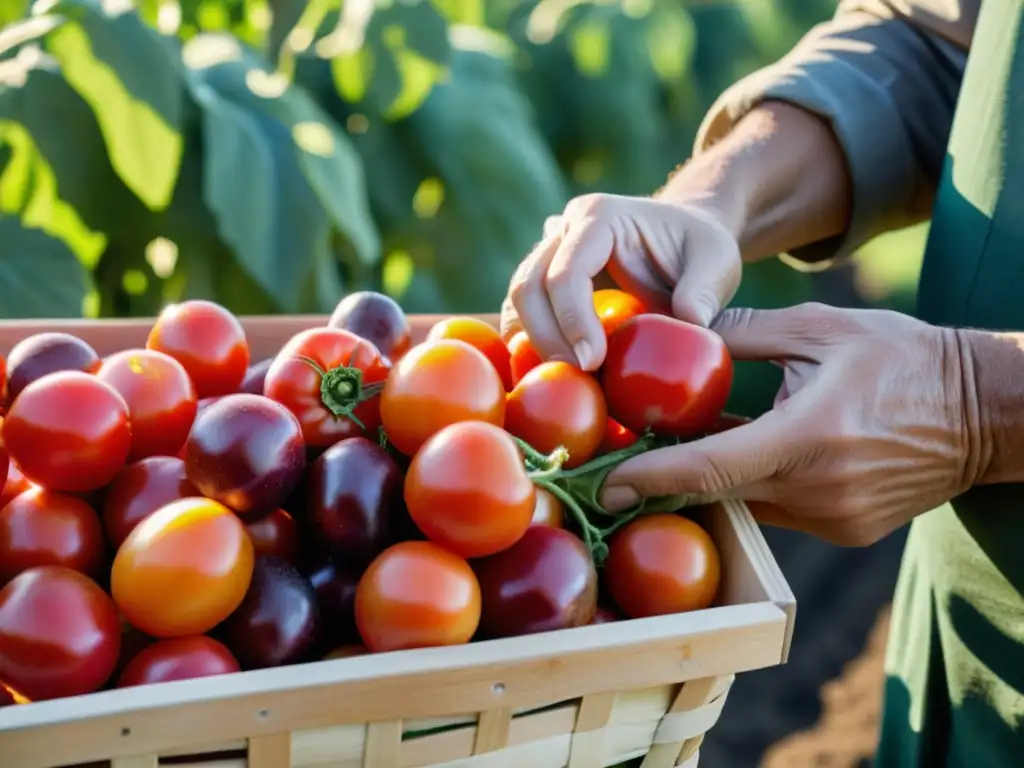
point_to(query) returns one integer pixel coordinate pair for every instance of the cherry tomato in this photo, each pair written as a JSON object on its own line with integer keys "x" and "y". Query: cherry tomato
{"x": 68, "y": 431}
{"x": 662, "y": 563}
{"x": 139, "y": 490}
{"x": 670, "y": 376}
{"x": 59, "y": 634}
{"x": 43, "y": 353}
{"x": 614, "y": 307}
{"x": 548, "y": 510}
{"x": 181, "y": 658}
{"x": 16, "y": 482}
{"x": 255, "y": 375}
{"x": 207, "y": 340}
{"x": 41, "y": 527}
{"x": 523, "y": 358}
{"x": 10, "y": 697}
{"x": 481, "y": 335}
{"x": 376, "y": 318}
{"x": 275, "y": 534}
{"x": 160, "y": 396}
{"x": 3, "y": 391}
{"x": 335, "y": 586}
{"x": 558, "y": 405}
{"x": 467, "y": 489}
{"x": 183, "y": 569}
{"x": 353, "y": 370}
{"x": 417, "y": 595}
{"x": 439, "y": 383}
{"x": 616, "y": 437}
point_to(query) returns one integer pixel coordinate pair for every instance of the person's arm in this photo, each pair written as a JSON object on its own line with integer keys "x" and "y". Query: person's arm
{"x": 858, "y": 152}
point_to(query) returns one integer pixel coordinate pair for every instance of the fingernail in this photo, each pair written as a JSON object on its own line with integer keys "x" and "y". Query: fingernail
{"x": 582, "y": 351}
{"x": 620, "y": 497}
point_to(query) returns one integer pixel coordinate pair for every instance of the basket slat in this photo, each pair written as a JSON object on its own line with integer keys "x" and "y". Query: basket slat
{"x": 383, "y": 744}
{"x": 493, "y": 730}
{"x": 271, "y": 751}
{"x": 588, "y": 746}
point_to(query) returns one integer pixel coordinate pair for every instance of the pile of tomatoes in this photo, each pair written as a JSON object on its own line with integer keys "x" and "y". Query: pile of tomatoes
{"x": 182, "y": 510}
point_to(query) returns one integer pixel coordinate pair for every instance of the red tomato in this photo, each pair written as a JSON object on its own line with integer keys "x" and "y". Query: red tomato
{"x": 68, "y": 431}
{"x": 43, "y": 353}
{"x": 523, "y": 358}
{"x": 16, "y": 482}
{"x": 480, "y": 335}
{"x": 670, "y": 376}
{"x": 467, "y": 489}
{"x": 41, "y": 527}
{"x": 616, "y": 437}
{"x": 350, "y": 365}
{"x": 276, "y": 534}
{"x": 558, "y": 405}
{"x": 207, "y": 340}
{"x": 59, "y": 634}
{"x": 10, "y": 697}
{"x": 183, "y": 569}
{"x": 614, "y": 307}
{"x": 417, "y": 595}
{"x": 439, "y": 383}
{"x": 139, "y": 490}
{"x": 662, "y": 563}
{"x": 181, "y": 658}
{"x": 160, "y": 396}
{"x": 548, "y": 510}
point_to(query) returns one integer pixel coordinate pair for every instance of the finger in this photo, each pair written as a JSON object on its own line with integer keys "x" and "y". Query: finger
{"x": 509, "y": 324}
{"x": 769, "y": 334}
{"x": 554, "y": 225}
{"x": 710, "y": 277}
{"x": 582, "y": 254}
{"x": 529, "y": 297}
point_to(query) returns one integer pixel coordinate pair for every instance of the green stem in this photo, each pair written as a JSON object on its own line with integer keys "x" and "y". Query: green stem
{"x": 342, "y": 389}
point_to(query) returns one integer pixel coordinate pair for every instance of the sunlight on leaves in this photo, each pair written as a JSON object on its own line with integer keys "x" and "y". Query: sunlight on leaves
{"x": 590, "y": 44}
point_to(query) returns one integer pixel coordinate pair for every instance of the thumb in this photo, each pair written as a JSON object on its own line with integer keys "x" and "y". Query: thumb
{"x": 710, "y": 277}
{"x": 773, "y": 334}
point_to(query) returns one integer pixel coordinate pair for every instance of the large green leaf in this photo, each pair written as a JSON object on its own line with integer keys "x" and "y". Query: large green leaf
{"x": 39, "y": 275}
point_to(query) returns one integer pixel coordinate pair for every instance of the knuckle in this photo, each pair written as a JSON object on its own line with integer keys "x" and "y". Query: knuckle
{"x": 594, "y": 204}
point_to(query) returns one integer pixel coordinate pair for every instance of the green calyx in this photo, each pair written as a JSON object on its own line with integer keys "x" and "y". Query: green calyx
{"x": 342, "y": 389}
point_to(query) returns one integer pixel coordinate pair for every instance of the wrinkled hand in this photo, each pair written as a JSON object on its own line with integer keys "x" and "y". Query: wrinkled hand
{"x": 673, "y": 257}
{"x": 869, "y": 428}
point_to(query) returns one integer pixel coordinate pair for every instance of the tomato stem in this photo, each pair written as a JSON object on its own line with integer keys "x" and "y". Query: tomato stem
{"x": 342, "y": 389}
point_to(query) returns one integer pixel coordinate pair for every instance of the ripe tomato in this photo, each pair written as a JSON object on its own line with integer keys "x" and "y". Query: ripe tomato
{"x": 614, "y": 307}
{"x": 59, "y": 634}
{"x": 616, "y": 437}
{"x": 181, "y": 658}
{"x": 16, "y": 483}
{"x": 41, "y": 527}
{"x": 439, "y": 383}
{"x": 43, "y": 353}
{"x": 349, "y": 365}
{"x": 378, "y": 319}
{"x": 467, "y": 489}
{"x": 255, "y": 375}
{"x": 207, "y": 340}
{"x": 9, "y": 697}
{"x": 417, "y": 595}
{"x": 662, "y": 563}
{"x": 665, "y": 374}
{"x": 480, "y": 335}
{"x": 7, "y": 491}
{"x": 183, "y": 569}
{"x": 557, "y": 404}
{"x": 160, "y": 396}
{"x": 68, "y": 431}
{"x": 139, "y": 490}
{"x": 548, "y": 510}
{"x": 523, "y": 358}
{"x": 276, "y": 535}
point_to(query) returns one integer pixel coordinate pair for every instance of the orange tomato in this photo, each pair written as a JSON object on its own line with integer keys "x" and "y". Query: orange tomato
{"x": 614, "y": 307}
{"x": 183, "y": 569}
{"x": 523, "y": 358}
{"x": 548, "y": 510}
{"x": 481, "y": 335}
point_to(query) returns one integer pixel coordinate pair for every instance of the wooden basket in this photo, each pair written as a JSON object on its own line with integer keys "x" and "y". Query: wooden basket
{"x": 583, "y": 698}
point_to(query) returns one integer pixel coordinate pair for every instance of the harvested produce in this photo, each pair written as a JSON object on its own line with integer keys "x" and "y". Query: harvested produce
{"x": 276, "y": 534}
{"x": 480, "y": 335}
{"x": 376, "y": 318}
{"x": 43, "y": 353}
{"x": 139, "y": 490}
{"x": 181, "y": 658}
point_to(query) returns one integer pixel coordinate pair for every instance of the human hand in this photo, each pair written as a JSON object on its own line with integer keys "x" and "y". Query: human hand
{"x": 673, "y": 257}
{"x": 869, "y": 429}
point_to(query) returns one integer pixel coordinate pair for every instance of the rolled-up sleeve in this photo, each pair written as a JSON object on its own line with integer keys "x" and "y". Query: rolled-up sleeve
{"x": 888, "y": 87}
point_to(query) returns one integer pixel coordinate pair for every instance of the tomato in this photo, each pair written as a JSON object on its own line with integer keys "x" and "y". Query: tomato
{"x": 183, "y": 569}
{"x": 255, "y": 375}
{"x": 439, "y": 383}
{"x": 43, "y": 353}
{"x": 467, "y": 489}
{"x": 207, "y": 340}
{"x": 662, "y": 563}
{"x": 139, "y": 490}
{"x": 275, "y": 534}
{"x": 666, "y": 375}
{"x": 160, "y": 396}
{"x": 548, "y": 510}
{"x": 181, "y": 658}
{"x": 16, "y": 482}
{"x": 614, "y": 307}
{"x": 335, "y": 586}
{"x": 350, "y": 366}
{"x": 417, "y": 595}
{"x": 378, "y": 319}
{"x": 41, "y": 527}
{"x": 59, "y": 634}
{"x": 3, "y": 394}
{"x": 616, "y": 437}
{"x": 556, "y": 404}
{"x": 10, "y": 697}
{"x": 68, "y": 431}
{"x": 480, "y": 335}
{"x": 523, "y": 358}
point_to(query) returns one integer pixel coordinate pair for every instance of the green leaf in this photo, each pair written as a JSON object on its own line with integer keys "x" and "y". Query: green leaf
{"x": 132, "y": 78}
{"x": 39, "y": 275}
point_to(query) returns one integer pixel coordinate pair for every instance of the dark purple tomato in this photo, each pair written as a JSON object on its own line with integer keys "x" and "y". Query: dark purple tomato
{"x": 351, "y": 489}
{"x": 376, "y": 318}
{"x": 44, "y": 353}
{"x": 254, "y": 376}
{"x": 335, "y": 587}
{"x": 275, "y": 534}
{"x": 545, "y": 581}
{"x": 139, "y": 490}
{"x": 246, "y": 451}
{"x": 278, "y": 621}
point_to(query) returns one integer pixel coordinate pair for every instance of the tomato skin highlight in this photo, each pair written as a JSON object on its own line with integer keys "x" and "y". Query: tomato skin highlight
{"x": 43, "y": 353}
{"x": 614, "y": 307}
{"x": 139, "y": 490}
{"x": 183, "y": 570}
{"x": 468, "y": 491}
{"x": 436, "y": 384}
{"x": 207, "y": 340}
{"x": 480, "y": 335}
{"x": 68, "y": 431}
{"x": 523, "y": 358}
{"x": 660, "y": 564}
{"x": 160, "y": 396}
{"x": 558, "y": 405}
{"x": 378, "y": 319}
{"x": 59, "y": 634}
{"x": 670, "y": 376}
{"x": 181, "y": 658}
{"x": 416, "y": 594}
